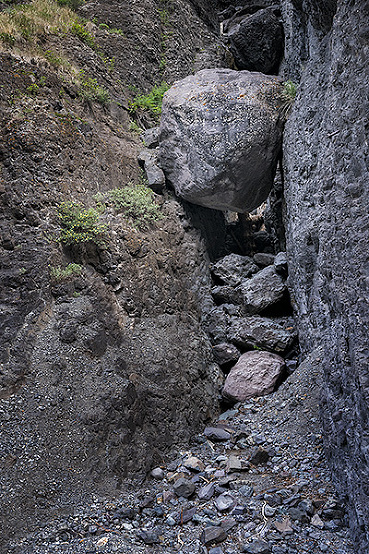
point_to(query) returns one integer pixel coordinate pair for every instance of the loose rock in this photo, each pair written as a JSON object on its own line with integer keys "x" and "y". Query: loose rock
{"x": 184, "y": 487}
{"x": 249, "y": 332}
{"x": 213, "y": 534}
{"x": 255, "y": 374}
{"x": 262, "y": 291}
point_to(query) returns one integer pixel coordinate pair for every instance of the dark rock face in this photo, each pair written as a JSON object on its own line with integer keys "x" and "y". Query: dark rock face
{"x": 327, "y": 182}
{"x": 220, "y": 138}
{"x": 256, "y": 41}
{"x": 87, "y": 361}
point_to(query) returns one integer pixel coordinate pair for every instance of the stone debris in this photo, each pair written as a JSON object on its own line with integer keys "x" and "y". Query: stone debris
{"x": 217, "y": 434}
{"x": 184, "y": 487}
{"x": 253, "y": 480}
{"x": 262, "y": 291}
{"x": 233, "y": 269}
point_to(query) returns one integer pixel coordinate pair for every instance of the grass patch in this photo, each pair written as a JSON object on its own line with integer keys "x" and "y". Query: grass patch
{"x": 79, "y": 30}
{"x": 72, "y": 4}
{"x": 151, "y": 102}
{"x": 80, "y": 225}
{"x": 288, "y": 96}
{"x": 39, "y": 17}
{"x": 60, "y": 274}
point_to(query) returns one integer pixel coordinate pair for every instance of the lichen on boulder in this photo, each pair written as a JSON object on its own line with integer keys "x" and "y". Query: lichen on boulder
{"x": 220, "y": 138}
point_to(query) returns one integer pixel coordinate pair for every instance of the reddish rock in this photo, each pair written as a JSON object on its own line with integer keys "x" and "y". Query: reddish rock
{"x": 255, "y": 374}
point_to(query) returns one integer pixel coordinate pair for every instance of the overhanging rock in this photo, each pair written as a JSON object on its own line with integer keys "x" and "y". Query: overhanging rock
{"x": 220, "y": 138}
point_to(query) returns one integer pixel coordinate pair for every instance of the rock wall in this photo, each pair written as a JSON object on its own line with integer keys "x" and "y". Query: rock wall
{"x": 100, "y": 373}
{"x": 326, "y": 190}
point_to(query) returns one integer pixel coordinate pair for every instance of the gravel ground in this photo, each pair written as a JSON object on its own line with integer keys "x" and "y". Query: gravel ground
{"x": 256, "y": 482}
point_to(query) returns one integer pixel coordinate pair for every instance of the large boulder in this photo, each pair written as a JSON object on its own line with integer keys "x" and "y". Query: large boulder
{"x": 232, "y": 269}
{"x": 255, "y": 374}
{"x": 262, "y": 291}
{"x": 220, "y": 138}
{"x": 261, "y": 332}
{"x": 256, "y": 41}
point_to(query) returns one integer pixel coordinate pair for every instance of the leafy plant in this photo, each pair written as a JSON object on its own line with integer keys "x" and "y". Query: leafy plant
{"x": 79, "y": 225}
{"x": 134, "y": 127}
{"x": 151, "y": 102}
{"x": 92, "y": 91}
{"x": 288, "y": 96}
{"x": 137, "y": 202}
{"x": 59, "y": 274}
{"x": 33, "y": 89}
{"x": 78, "y": 29}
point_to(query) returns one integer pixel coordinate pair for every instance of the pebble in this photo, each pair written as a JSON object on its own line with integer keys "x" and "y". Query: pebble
{"x": 257, "y": 546}
{"x": 193, "y": 464}
{"x": 213, "y": 534}
{"x": 183, "y": 487}
{"x": 157, "y": 473}
{"x": 148, "y": 536}
{"x": 224, "y": 502}
{"x": 217, "y": 434}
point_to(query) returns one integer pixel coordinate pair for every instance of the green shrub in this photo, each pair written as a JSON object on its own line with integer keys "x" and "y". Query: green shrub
{"x": 33, "y": 89}
{"x": 59, "y": 274}
{"x": 79, "y": 225}
{"x": 92, "y": 91}
{"x": 137, "y": 203}
{"x": 80, "y": 31}
{"x": 151, "y": 102}
{"x": 288, "y": 96}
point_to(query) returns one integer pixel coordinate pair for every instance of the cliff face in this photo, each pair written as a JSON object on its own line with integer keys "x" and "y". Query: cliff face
{"x": 326, "y": 191}
{"x": 102, "y": 370}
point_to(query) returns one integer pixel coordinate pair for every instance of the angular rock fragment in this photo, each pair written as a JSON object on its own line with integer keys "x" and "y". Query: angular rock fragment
{"x": 264, "y": 259}
{"x": 193, "y": 464}
{"x": 280, "y": 263}
{"x": 155, "y": 175}
{"x": 150, "y": 137}
{"x": 259, "y": 456}
{"x": 249, "y": 332}
{"x": 220, "y": 138}
{"x": 224, "y": 502}
{"x": 206, "y": 492}
{"x": 216, "y": 434}
{"x": 225, "y": 295}
{"x": 232, "y": 269}
{"x": 262, "y": 291}
{"x": 255, "y": 374}
{"x": 149, "y": 536}
{"x": 225, "y": 354}
{"x": 213, "y": 534}
{"x": 257, "y": 546}
{"x": 184, "y": 487}
{"x": 256, "y": 41}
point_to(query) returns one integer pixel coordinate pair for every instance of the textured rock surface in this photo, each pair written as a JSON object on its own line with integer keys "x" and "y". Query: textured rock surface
{"x": 255, "y": 374}
{"x": 327, "y": 181}
{"x": 220, "y": 138}
{"x": 256, "y": 41}
{"x": 84, "y": 359}
{"x": 262, "y": 332}
{"x": 261, "y": 291}
{"x": 232, "y": 269}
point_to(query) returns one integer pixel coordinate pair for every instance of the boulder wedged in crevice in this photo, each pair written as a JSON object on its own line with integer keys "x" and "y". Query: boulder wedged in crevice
{"x": 220, "y": 138}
